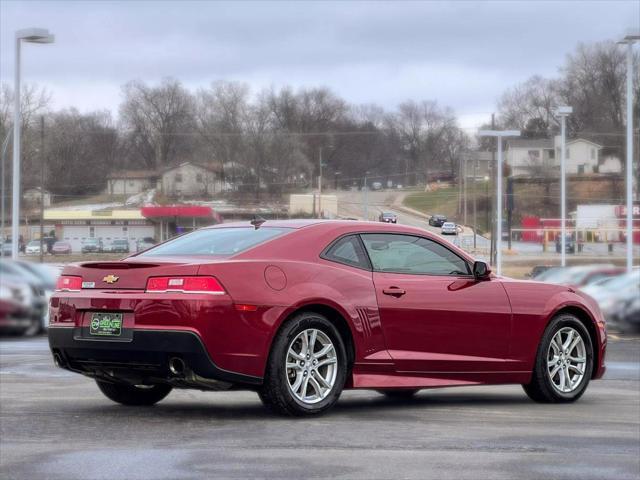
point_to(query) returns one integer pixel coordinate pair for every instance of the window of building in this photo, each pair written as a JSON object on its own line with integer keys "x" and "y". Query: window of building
{"x": 178, "y": 178}
{"x": 593, "y": 154}
{"x": 199, "y": 178}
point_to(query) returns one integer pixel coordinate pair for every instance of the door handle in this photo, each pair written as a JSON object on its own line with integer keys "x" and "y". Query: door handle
{"x": 394, "y": 291}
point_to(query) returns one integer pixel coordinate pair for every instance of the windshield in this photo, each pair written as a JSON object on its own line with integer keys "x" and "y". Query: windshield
{"x": 216, "y": 241}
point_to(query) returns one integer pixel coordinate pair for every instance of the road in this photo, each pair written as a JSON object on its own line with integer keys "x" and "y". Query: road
{"x": 56, "y": 425}
{"x": 351, "y": 205}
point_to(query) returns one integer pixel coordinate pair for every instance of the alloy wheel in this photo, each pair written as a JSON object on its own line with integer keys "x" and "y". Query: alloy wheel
{"x": 566, "y": 360}
{"x": 311, "y": 366}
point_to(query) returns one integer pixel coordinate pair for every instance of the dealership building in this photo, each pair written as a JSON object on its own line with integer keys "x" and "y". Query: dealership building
{"x": 133, "y": 224}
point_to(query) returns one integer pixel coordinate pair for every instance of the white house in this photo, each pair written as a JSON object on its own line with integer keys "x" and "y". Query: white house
{"x": 191, "y": 180}
{"x": 533, "y": 156}
{"x": 33, "y": 197}
{"x": 130, "y": 182}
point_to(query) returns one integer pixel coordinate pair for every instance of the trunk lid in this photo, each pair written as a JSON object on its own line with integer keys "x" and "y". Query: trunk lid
{"x": 132, "y": 273}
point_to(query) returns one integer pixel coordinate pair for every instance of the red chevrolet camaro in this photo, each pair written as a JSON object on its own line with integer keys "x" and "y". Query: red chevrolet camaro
{"x": 300, "y": 310}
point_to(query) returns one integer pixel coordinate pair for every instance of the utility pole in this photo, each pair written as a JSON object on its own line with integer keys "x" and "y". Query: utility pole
{"x": 28, "y": 35}
{"x": 42, "y": 157}
{"x": 563, "y": 112}
{"x": 629, "y": 39}
{"x": 5, "y": 144}
{"x": 475, "y": 201}
{"x": 366, "y": 197}
{"x": 464, "y": 189}
{"x": 460, "y": 185}
{"x": 499, "y": 135}
{"x": 320, "y": 183}
{"x": 492, "y": 248}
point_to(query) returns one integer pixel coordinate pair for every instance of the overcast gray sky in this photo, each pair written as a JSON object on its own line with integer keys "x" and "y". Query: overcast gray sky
{"x": 462, "y": 54}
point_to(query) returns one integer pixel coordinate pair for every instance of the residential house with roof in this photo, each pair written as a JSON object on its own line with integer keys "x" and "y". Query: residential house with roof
{"x": 189, "y": 179}
{"x": 131, "y": 182}
{"x": 533, "y": 157}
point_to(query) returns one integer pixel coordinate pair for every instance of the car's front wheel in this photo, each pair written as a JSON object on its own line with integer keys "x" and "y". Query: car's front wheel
{"x": 564, "y": 362}
{"x": 134, "y": 394}
{"x": 307, "y": 367}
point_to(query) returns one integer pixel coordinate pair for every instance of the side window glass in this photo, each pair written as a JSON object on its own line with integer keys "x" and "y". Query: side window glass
{"x": 408, "y": 254}
{"x": 347, "y": 250}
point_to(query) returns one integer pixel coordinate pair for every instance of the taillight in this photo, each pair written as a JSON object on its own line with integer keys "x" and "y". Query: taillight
{"x": 196, "y": 284}
{"x": 69, "y": 283}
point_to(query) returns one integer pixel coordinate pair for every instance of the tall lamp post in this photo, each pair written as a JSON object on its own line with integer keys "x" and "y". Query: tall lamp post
{"x": 30, "y": 35}
{"x": 563, "y": 112}
{"x": 499, "y": 134}
{"x": 629, "y": 40}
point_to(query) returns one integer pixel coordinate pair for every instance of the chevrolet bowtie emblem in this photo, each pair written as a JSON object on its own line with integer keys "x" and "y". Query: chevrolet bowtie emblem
{"x": 110, "y": 279}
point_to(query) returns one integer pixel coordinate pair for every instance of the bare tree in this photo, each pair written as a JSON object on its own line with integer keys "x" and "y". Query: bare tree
{"x": 158, "y": 121}
{"x": 81, "y": 149}
{"x": 221, "y": 114}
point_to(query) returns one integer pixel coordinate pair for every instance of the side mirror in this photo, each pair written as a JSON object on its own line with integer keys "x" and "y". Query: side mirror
{"x": 481, "y": 270}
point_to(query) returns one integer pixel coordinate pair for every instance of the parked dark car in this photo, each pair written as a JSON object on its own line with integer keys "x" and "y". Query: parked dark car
{"x": 569, "y": 245}
{"x": 437, "y": 220}
{"x": 388, "y": 217}
{"x": 91, "y": 245}
{"x": 61, "y": 248}
{"x": 538, "y": 270}
{"x": 118, "y": 246}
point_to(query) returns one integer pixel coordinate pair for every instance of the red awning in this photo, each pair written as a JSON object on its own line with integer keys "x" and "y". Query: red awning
{"x": 181, "y": 211}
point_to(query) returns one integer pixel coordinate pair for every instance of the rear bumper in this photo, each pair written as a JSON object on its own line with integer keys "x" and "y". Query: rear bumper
{"x": 141, "y": 355}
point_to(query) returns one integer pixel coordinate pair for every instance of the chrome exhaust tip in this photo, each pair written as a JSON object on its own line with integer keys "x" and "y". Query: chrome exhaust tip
{"x": 57, "y": 360}
{"x": 177, "y": 366}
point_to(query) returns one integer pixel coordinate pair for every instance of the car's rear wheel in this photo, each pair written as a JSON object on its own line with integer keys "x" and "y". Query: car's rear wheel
{"x": 134, "y": 394}
{"x": 307, "y": 367}
{"x": 564, "y": 362}
{"x": 399, "y": 394}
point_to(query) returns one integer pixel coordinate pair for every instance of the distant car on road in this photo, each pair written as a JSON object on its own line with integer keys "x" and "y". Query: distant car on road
{"x": 449, "y": 228}
{"x": 61, "y": 248}
{"x": 376, "y": 186}
{"x": 437, "y": 220}
{"x": 388, "y": 217}
{"x": 118, "y": 246}
{"x": 33, "y": 247}
{"x": 91, "y": 245}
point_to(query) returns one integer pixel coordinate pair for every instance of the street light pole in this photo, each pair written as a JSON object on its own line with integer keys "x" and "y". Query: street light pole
{"x": 629, "y": 40}
{"x": 563, "y": 112}
{"x": 366, "y": 198}
{"x": 5, "y": 144}
{"x": 320, "y": 183}
{"x": 31, "y": 35}
{"x": 499, "y": 134}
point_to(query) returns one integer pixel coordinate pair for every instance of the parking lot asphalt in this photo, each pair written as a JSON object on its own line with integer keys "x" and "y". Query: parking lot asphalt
{"x": 57, "y": 425}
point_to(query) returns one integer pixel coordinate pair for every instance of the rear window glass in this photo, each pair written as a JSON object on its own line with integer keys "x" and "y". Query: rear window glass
{"x": 216, "y": 241}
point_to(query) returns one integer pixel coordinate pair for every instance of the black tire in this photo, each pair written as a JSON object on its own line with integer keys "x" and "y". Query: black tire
{"x": 132, "y": 394}
{"x": 399, "y": 394}
{"x": 541, "y": 389}
{"x": 275, "y": 392}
